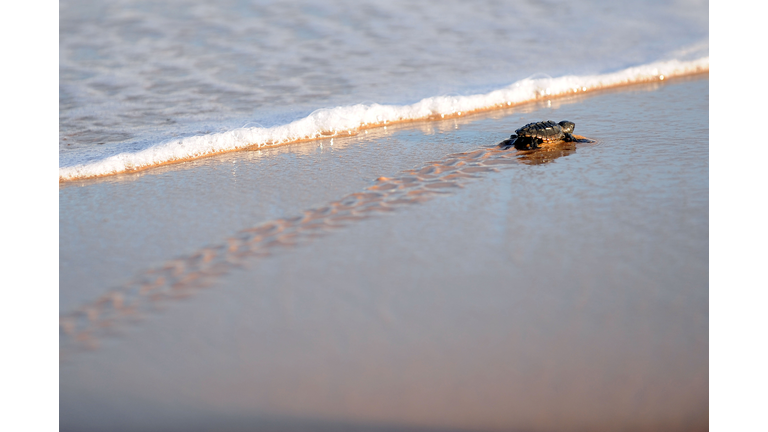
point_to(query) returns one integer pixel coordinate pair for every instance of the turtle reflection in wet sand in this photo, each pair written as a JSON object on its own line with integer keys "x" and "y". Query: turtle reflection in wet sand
{"x": 530, "y": 136}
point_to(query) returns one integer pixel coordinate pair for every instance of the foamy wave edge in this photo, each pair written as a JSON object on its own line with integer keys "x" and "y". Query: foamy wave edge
{"x": 348, "y": 120}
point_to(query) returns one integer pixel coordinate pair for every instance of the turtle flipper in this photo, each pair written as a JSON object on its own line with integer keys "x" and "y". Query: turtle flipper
{"x": 509, "y": 142}
{"x": 523, "y": 143}
{"x": 572, "y": 138}
{"x": 527, "y": 143}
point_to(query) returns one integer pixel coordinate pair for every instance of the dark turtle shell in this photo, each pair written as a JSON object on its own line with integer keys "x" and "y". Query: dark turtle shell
{"x": 531, "y": 135}
{"x": 546, "y": 131}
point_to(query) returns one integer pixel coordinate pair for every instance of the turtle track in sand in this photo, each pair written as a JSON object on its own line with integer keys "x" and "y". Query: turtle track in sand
{"x": 180, "y": 278}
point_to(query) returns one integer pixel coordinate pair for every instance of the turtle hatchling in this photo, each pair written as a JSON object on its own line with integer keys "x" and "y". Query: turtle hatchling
{"x": 531, "y": 135}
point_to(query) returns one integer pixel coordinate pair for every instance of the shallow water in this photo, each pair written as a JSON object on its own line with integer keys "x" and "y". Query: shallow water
{"x": 135, "y": 73}
{"x": 566, "y": 295}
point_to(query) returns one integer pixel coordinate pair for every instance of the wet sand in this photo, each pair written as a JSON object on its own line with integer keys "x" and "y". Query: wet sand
{"x": 560, "y": 290}
{"x": 654, "y": 77}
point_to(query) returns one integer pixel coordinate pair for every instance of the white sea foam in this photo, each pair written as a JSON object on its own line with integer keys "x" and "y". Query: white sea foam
{"x": 346, "y": 120}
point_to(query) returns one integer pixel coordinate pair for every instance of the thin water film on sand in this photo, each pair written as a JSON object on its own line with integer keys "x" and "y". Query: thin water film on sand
{"x": 491, "y": 292}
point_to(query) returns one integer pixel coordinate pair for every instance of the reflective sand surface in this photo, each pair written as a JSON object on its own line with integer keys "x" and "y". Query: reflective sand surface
{"x": 566, "y": 295}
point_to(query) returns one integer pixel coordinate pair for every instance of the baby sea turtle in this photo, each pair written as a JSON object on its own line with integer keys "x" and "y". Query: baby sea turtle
{"x": 531, "y": 135}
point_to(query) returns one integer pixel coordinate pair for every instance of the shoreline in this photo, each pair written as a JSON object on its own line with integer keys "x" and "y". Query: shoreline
{"x": 659, "y": 78}
{"x": 227, "y": 287}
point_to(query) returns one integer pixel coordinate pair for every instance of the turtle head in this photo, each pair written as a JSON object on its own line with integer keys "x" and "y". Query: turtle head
{"x": 567, "y": 126}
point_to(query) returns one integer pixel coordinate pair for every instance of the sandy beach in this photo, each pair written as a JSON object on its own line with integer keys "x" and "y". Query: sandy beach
{"x": 407, "y": 278}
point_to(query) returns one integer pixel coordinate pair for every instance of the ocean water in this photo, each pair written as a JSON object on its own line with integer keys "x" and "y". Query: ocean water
{"x": 146, "y": 83}
{"x": 378, "y": 273}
